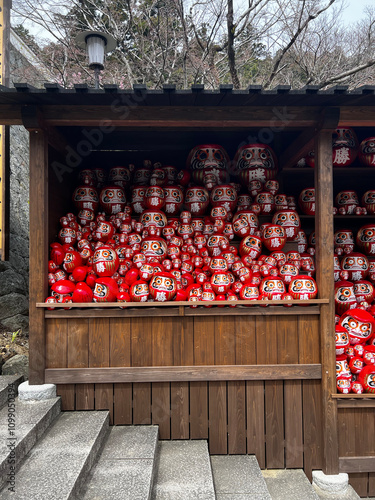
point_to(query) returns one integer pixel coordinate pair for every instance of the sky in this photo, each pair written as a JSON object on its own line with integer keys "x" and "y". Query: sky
{"x": 354, "y": 10}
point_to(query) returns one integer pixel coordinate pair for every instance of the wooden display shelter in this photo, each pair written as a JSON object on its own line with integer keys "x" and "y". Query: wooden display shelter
{"x": 251, "y": 380}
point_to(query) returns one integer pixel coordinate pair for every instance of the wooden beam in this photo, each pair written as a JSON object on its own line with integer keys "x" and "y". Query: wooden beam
{"x": 32, "y": 119}
{"x": 38, "y": 252}
{"x": 305, "y": 141}
{"x": 148, "y": 305}
{"x": 182, "y": 373}
{"x": 357, "y": 464}
{"x": 324, "y": 277}
{"x": 181, "y": 311}
{"x": 355, "y": 403}
{"x": 134, "y": 115}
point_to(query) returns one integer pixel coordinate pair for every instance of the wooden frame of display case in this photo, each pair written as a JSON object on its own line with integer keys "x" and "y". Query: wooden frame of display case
{"x": 257, "y": 380}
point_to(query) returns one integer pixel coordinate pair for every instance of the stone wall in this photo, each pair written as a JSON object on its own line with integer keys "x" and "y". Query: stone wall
{"x": 14, "y": 274}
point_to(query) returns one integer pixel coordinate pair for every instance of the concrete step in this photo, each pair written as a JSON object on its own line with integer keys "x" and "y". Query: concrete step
{"x": 59, "y": 463}
{"x": 183, "y": 472}
{"x": 8, "y": 387}
{"x": 289, "y": 484}
{"x": 350, "y": 494}
{"x": 125, "y": 469}
{"x": 238, "y": 477}
{"x": 21, "y": 425}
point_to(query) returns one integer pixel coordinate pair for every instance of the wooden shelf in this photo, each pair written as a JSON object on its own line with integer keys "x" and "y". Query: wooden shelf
{"x": 114, "y": 311}
{"x": 248, "y": 303}
{"x": 336, "y": 170}
{"x": 365, "y": 400}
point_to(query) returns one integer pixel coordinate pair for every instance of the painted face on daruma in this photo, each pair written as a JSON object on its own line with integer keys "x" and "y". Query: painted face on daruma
{"x": 112, "y": 199}
{"x": 173, "y": 197}
{"x": 154, "y": 247}
{"x": 306, "y": 201}
{"x": 344, "y": 296}
{"x": 119, "y": 176}
{"x": 344, "y": 239}
{"x": 249, "y": 292}
{"x": 364, "y": 291}
{"x": 341, "y": 339}
{"x": 197, "y": 200}
{"x": 224, "y": 196}
{"x": 359, "y": 324}
{"x": 67, "y": 235}
{"x": 272, "y": 288}
{"x": 207, "y": 156}
{"x": 154, "y": 217}
{"x": 290, "y": 221}
{"x": 255, "y": 162}
{"x": 367, "y": 152}
{"x": 163, "y": 287}
{"x": 105, "y": 261}
{"x": 357, "y": 266}
{"x": 105, "y": 290}
{"x": 139, "y": 291}
{"x": 274, "y": 237}
{"x": 86, "y": 197}
{"x": 252, "y": 246}
{"x": 344, "y": 198}
{"x": 368, "y": 201}
{"x": 366, "y": 239}
{"x": 303, "y": 288}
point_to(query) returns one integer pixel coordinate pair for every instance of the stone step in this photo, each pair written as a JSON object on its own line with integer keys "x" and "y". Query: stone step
{"x": 58, "y": 465}
{"x": 8, "y": 387}
{"x": 238, "y": 477}
{"x": 125, "y": 469}
{"x": 289, "y": 484}
{"x": 21, "y": 425}
{"x": 183, "y": 472}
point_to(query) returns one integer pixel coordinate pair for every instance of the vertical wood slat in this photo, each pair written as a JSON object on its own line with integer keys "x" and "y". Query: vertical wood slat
{"x": 98, "y": 357}
{"x": 274, "y": 410}
{"x": 141, "y": 355}
{"x": 255, "y": 421}
{"x": 293, "y": 424}
{"x": 225, "y": 353}
{"x": 78, "y": 357}
{"x": 162, "y": 355}
{"x": 183, "y": 355}
{"x": 236, "y": 417}
{"x": 324, "y": 275}
{"x": 371, "y": 484}
{"x": 119, "y": 355}
{"x": 312, "y": 418}
{"x": 38, "y": 285}
{"x": 57, "y": 357}
{"x": 204, "y": 348}
{"x": 360, "y": 483}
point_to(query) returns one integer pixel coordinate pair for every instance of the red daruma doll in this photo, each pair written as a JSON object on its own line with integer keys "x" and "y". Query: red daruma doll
{"x": 290, "y": 221}
{"x": 274, "y": 238}
{"x": 255, "y": 162}
{"x": 303, "y": 288}
{"x": 163, "y": 287}
{"x": 360, "y": 325}
{"x": 208, "y": 164}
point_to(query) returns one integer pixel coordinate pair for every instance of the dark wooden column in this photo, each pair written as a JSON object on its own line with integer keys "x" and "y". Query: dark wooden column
{"x": 38, "y": 252}
{"x": 324, "y": 259}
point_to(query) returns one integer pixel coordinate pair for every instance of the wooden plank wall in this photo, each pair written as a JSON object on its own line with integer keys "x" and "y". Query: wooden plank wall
{"x": 278, "y": 421}
{"x": 357, "y": 439}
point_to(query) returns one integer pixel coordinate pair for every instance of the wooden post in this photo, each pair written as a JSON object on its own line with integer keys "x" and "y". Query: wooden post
{"x": 38, "y": 252}
{"x": 4, "y": 132}
{"x": 324, "y": 258}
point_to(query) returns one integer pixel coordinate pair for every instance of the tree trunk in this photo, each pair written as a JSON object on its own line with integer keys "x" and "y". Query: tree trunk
{"x": 231, "y": 52}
